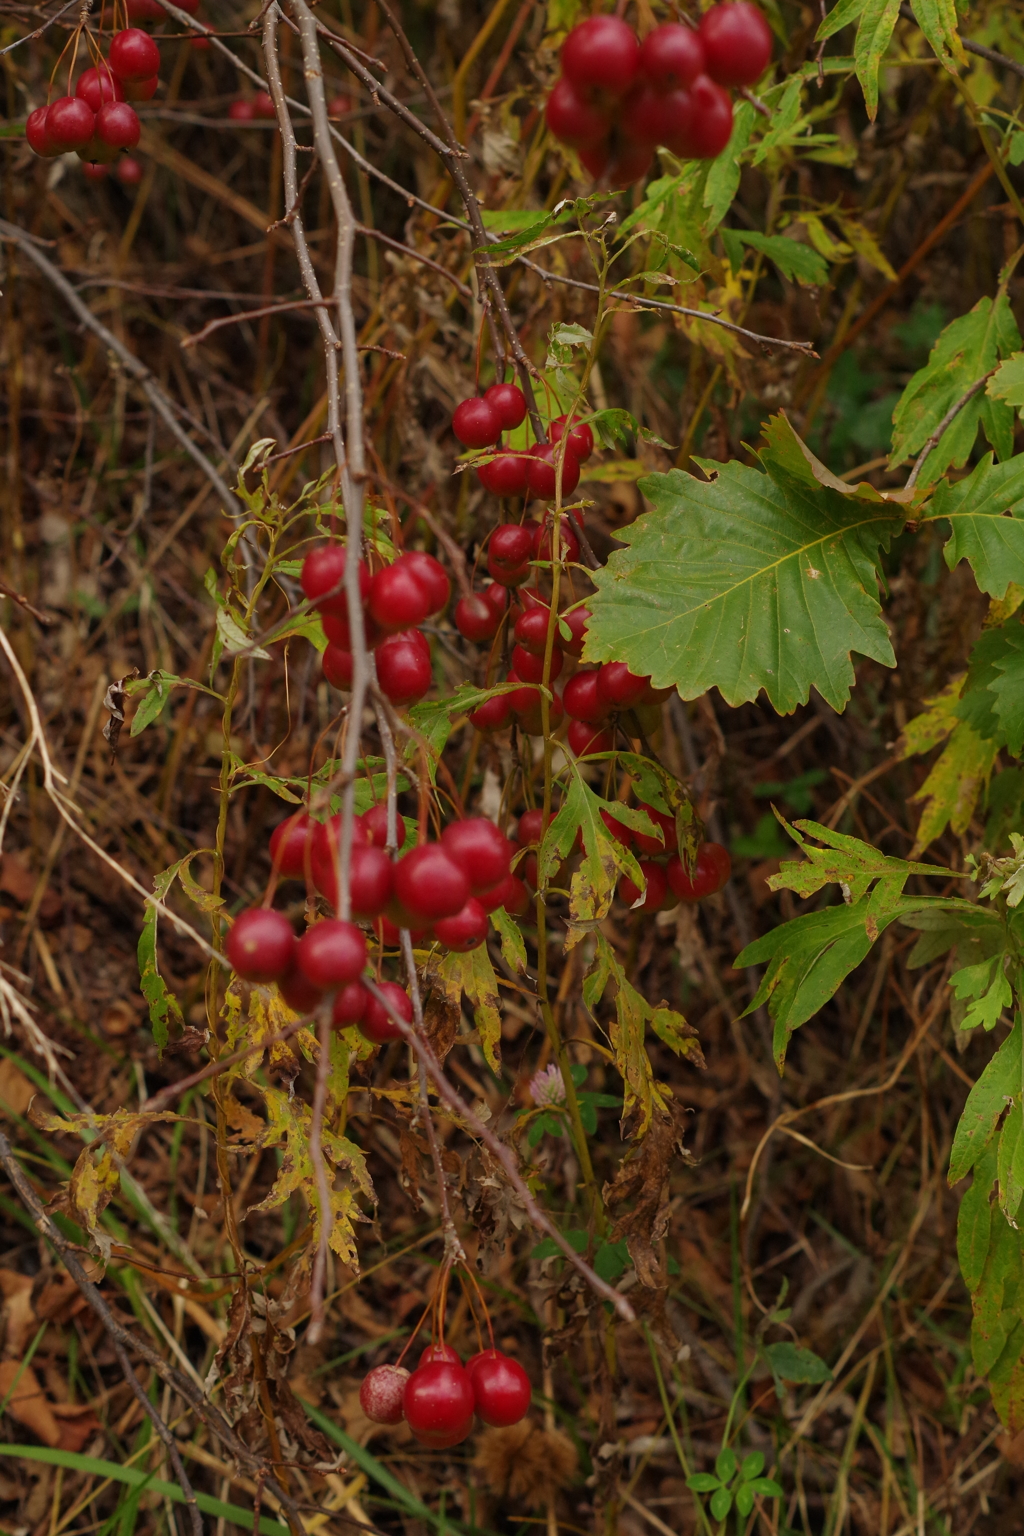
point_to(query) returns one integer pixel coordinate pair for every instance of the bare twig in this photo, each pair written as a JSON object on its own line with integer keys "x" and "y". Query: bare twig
{"x": 31, "y": 36}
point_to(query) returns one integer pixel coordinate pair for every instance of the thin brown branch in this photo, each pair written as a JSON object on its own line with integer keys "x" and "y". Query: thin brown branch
{"x": 947, "y": 420}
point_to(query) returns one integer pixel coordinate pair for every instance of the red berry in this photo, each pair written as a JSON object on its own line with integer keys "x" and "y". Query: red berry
{"x": 291, "y": 845}
{"x": 510, "y": 547}
{"x": 671, "y": 56}
{"x": 98, "y": 85}
{"x": 643, "y": 114}
{"x": 595, "y": 158}
{"x": 737, "y": 43}
{"x": 432, "y": 576}
{"x": 711, "y": 123}
{"x": 568, "y": 543}
{"x": 601, "y": 55}
{"x": 242, "y": 110}
{"x": 475, "y": 619}
{"x": 323, "y": 576}
{"x": 70, "y": 123}
{"x": 371, "y": 876}
{"x": 263, "y": 106}
{"x": 37, "y": 135}
{"x": 431, "y": 1353}
{"x": 530, "y": 713}
{"x": 429, "y": 883}
{"x": 331, "y": 953}
{"x": 619, "y": 830}
{"x": 510, "y": 894}
{"x": 199, "y": 44}
{"x": 530, "y": 667}
{"x": 492, "y": 714}
{"x": 530, "y": 829}
{"x": 531, "y": 632}
{"x": 467, "y": 930}
{"x": 117, "y": 125}
{"x": 339, "y": 106}
{"x": 129, "y": 171}
{"x": 376, "y": 1023}
{"x": 581, "y": 699}
{"x": 583, "y": 738}
{"x": 505, "y": 475}
{"x": 350, "y": 1003}
{"x": 576, "y": 620}
{"x": 399, "y": 597}
{"x": 631, "y": 162}
{"x": 666, "y": 822}
{"x": 260, "y": 945}
{"x": 141, "y": 90}
{"x": 509, "y": 402}
{"x": 581, "y": 437}
{"x": 95, "y": 172}
{"x": 501, "y": 1388}
{"x": 479, "y": 849}
{"x": 657, "y": 887}
{"x": 149, "y": 10}
{"x": 337, "y": 666}
{"x": 476, "y": 423}
{"x": 541, "y": 475}
{"x": 134, "y": 55}
{"x": 375, "y": 820}
{"x": 381, "y": 1392}
{"x": 299, "y": 992}
{"x": 573, "y": 119}
{"x": 403, "y": 667}
{"x": 711, "y": 872}
{"x": 495, "y": 595}
{"x": 438, "y": 1403}
{"x": 618, "y": 687}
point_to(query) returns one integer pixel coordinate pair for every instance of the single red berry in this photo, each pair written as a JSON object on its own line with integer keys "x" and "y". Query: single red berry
{"x": 581, "y": 437}
{"x": 595, "y": 158}
{"x": 339, "y": 106}
{"x": 666, "y": 822}
{"x": 581, "y": 699}
{"x": 509, "y": 402}
{"x": 618, "y": 687}
{"x": 350, "y": 1003}
{"x": 495, "y": 595}
{"x": 642, "y": 113}
{"x": 98, "y": 85}
{"x": 134, "y": 55}
{"x": 438, "y": 1403}
{"x": 129, "y": 171}
{"x": 492, "y": 714}
{"x": 585, "y": 739}
{"x": 476, "y": 423}
{"x": 737, "y": 42}
{"x": 711, "y": 871}
{"x": 501, "y": 1388}
{"x": 531, "y": 632}
{"x": 70, "y": 123}
{"x": 381, "y": 1392}
{"x": 467, "y": 930}
{"x": 630, "y": 162}
{"x": 260, "y": 945}
{"x": 149, "y": 10}
{"x": 299, "y": 992}
{"x": 510, "y": 547}
{"x": 529, "y": 712}
{"x": 199, "y": 44}
{"x": 399, "y": 597}
{"x": 711, "y": 123}
{"x": 430, "y": 884}
{"x": 263, "y": 106}
{"x": 140, "y": 90}
{"x": 479, "y": 849}
{"x": 403, "y": 667}
{"x": 37, "y": 135}
{"x": 505, "y": 475}
{"x": 117, "y": 125}
{"x": 242, "y": 110}
{"x": 530, "y": 667}
{"x": 601, "y": 56}
{"x": 371, "y": 881}
{"x": 568, "y": 543}
{"x": 511, "y": 894}
{"x": 672, "y": 122}
{"x": 323, "y": 576}
{"x": 331, "y": 953}
{"x": 657, "y": 887}
{"x": 618, "y": 829}
{"x": 291, "y": 845}
{"x": 672, "y": 55}
{"x": 375, "y": 820}
{"x": 431, "y": 1353}
{"x": 95, "y": 172}
{"x": 337, "y": 666}
{"x": 475, "y": 619}
{"x": 433, "y": 577}
{"x": 542, "y": 472}
{"x": 574, "y": 120}
{"x": 576, "y": 620}
{"x": 376, "y": 1023}
{"x": 530, "y": 828}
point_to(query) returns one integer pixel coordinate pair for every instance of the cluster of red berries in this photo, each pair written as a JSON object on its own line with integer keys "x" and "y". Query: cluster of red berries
{"x": 479, "y": 423}
{"x": 668, "y": 880}
{"x": 98, "y": 121}
{"x": 395, "y": 601}
{"x": 438, "y": 1399}
{"x": 617, "y": 97}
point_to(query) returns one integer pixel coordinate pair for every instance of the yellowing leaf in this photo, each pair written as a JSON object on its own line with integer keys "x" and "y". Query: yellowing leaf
{"x": 935, "y": 722}
{"x": 951, "y": 790}
{"x": 473, "y": 974}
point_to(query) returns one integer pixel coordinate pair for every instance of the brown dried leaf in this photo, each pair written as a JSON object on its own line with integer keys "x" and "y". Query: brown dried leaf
{"x": 643, "y": 1177}
{"x": 27, "y": 1402}
{"x": 113, "y": 703}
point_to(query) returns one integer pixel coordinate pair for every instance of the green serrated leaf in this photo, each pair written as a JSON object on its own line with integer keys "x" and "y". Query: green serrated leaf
{"x": 1007, "y": 383}
{"x": 874, "y": 34}
{"x": 794, "y": 260}
{"x": 473, "y": 973}
{"x": 844, "y": 861}
{"x": 163, "y": 1005}
{"x": 974, "y": 1221}
{"x": 937, "y": 20}
{"x": 234, "y": 639}
{"x": 513, "y": 945}
{"x": 749, "y": 581}
{"x": 789, "y": 1362}
{"x": 987, "y": 987}
{"x": 951, "y": 790}
{"x": 997, "y": 1087}
{"x": 997, "y": 1331}
{"x": 985, "y": 512}
{"x": 1010, "y": 1164}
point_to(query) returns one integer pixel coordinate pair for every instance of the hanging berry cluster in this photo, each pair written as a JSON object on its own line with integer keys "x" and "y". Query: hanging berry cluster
{"x": 98, "y": 122}
{"x": 439, "y": 1399}
{"x": 618, "y": 98}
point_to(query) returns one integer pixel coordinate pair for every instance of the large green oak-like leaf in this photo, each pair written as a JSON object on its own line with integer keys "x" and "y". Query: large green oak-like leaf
{"x": 750, "y": 580}
{"x": 984, "y": 512}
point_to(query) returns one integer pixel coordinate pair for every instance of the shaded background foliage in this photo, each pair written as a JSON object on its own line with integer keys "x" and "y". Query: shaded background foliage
{"x": 109, "y": 529}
